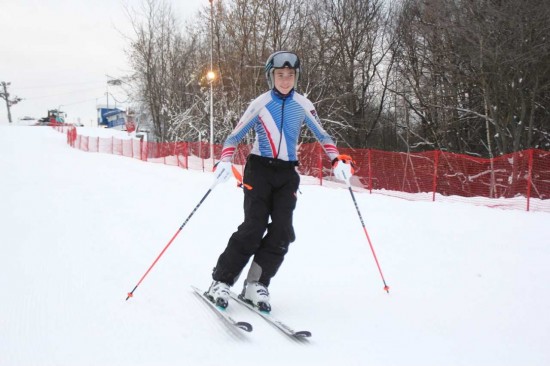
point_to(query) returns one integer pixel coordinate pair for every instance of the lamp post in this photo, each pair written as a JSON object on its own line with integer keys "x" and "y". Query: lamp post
{"x": 113, "y": 82}
{"x": 211, "y": 76}
{"x": 200, "y": 143}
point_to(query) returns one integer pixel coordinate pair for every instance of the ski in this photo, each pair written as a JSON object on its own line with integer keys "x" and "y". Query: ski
{"x": 247, "y": 327}
{"x": 272, "y": 320}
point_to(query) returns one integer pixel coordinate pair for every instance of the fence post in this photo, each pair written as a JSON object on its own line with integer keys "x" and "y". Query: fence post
{"x": 529, "y": 177}
{"x": 436, "y": 163}
{"x": 186, "y": 153}
{"x": 369, "y": 152}
{"x": 320, "y": 160}
{"x": 146, "y": 151}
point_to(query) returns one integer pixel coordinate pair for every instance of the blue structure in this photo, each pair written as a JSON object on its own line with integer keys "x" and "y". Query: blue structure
{"x": 111, "y": 117}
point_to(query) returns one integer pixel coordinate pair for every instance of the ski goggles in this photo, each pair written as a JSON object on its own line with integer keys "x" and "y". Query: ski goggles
{"x": 285, "y": 59}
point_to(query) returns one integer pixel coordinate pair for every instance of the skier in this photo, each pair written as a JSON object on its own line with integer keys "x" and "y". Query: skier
{"x": 270, "y": 182}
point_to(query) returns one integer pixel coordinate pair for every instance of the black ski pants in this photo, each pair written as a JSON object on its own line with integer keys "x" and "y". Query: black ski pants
{"x": 272, "y": 195}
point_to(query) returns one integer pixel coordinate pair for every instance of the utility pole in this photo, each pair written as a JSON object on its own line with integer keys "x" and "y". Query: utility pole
{"x": 211, "y": 76}
{"x": 6, "y": 96}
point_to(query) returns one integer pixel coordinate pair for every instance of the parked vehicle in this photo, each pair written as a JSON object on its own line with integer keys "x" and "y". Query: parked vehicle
{"x": 55, "y": 117}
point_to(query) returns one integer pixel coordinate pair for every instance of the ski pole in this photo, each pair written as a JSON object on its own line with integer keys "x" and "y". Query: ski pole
{"x": 131, "y": 293}
{"x": 386, "y": 287}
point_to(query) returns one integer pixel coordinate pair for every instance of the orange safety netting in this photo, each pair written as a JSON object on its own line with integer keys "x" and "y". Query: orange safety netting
{"x": 519, "y": 180}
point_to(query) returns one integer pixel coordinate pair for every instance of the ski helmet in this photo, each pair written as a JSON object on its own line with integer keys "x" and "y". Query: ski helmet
{"x": 279, "y": 60}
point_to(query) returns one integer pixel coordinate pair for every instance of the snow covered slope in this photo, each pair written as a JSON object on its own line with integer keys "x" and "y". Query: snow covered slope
{"x": 468, "y": 284}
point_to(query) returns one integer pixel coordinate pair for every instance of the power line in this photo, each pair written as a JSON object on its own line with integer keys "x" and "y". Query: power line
{"x": 59, "y": 94}
{"x": 82, "y": 101}
{"x": 59, "y": 85}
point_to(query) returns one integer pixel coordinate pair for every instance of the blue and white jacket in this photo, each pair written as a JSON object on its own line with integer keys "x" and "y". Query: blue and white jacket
{"x": 277, "y": 121}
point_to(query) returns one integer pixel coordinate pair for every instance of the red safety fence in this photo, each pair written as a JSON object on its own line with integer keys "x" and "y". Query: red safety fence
{"x": 520, "y": 180}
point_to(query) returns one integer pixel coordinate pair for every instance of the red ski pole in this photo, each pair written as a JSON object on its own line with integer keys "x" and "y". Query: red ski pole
{"x": 131, "y": 293}
{"x": 386, "y": 287}
{"x": 347, "y": 180}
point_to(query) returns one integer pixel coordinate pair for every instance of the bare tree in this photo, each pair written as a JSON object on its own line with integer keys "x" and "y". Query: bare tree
{"x": 349, "y": 65}
{"x": 457, "y": 75}
{"x": 166, "y": 67}
{"x": 476, "y": 72}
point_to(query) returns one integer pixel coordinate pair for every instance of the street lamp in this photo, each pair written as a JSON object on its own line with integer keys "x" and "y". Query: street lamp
{"x": 114, "y": 82}
{"x": 211, "y": 76}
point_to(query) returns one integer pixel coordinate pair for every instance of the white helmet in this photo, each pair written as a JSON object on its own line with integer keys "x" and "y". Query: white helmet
{"x": 279, "y": 60}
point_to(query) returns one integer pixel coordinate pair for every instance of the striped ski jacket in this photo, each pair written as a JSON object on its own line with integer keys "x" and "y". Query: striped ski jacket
{"x": 277, "y": 121}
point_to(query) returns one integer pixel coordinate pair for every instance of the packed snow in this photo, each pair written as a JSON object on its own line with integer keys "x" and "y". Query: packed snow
{"x": 468, "y": 284}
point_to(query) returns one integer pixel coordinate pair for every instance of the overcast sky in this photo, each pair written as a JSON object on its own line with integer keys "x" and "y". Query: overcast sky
{"x": 58, "y": 53}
